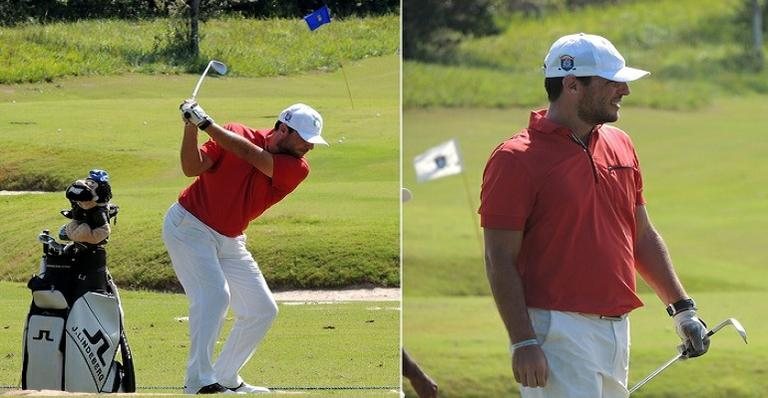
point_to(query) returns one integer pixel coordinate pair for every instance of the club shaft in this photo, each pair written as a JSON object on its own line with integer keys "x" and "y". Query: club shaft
{"x": 200, "y": 81}
{"x": 654, "y": 373}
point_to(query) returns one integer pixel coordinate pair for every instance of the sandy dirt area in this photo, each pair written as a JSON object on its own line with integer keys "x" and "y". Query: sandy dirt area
{"x": 374, "y": 294}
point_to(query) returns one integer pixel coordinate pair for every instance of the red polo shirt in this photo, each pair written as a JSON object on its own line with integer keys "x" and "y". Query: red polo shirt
{"x": 576, "y": 208}
{"x": 233, "y": 192}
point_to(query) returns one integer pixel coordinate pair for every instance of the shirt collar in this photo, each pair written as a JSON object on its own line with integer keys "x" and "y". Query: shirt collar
{"x": 539, "y": 122}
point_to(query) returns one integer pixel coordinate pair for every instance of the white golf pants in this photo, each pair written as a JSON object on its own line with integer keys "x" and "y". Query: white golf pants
{"x": 217, "y": 271}
{"x": 588, "y": 356}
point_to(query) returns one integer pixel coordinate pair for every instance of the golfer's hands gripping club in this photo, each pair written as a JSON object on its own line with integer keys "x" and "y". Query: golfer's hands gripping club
{"x": 530, "y": 366}
{"x": 693, "y": 333}
{"x": 193, "y": 113}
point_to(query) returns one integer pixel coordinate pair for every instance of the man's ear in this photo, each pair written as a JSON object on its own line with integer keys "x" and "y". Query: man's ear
{"x": 570, "y": 84}
{"x": 284, "y": 128}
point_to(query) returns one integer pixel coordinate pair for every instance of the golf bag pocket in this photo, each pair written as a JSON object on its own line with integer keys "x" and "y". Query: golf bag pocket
{"x": 43, "y": 357}
{"x": 92, "y": 338}
{"x": 50, "y": 299}
{"x": 45, "y": 295}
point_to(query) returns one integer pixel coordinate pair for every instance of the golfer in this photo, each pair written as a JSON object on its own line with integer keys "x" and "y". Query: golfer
{"x": 566, "y": 228}
{"x": 240, "y": 173}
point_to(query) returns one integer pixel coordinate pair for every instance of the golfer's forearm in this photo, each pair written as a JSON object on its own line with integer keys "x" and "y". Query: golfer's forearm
{"x": 507, "y": 291}
{"x": 191, "y": 158}
{"x": 655, "y": 266}
{"x": 242, "y": 148}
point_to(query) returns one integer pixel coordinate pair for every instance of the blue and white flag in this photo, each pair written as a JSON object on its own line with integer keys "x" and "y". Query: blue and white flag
{"x": 439, "y": 161}
{"x": 318, "y": 18}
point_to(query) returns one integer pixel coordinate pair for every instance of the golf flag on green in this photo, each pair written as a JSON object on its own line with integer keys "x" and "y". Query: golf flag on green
{"x": 318, "y": 18}
{"x": 437, "y": 162}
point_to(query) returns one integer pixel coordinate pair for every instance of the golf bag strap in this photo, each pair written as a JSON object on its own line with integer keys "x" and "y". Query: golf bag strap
{"x": 129, "y": 377}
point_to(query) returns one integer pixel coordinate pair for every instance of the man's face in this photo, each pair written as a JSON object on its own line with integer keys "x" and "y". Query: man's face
{"x": 601, "y": 100}
{"x": 292, "y": 143}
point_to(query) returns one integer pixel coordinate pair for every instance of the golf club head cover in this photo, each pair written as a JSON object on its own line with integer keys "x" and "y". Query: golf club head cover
{"x": 194, "y": 113}
{"x": 80, "y": 191}
{"x": 75, "y": 212}
{"x": 693, "y": 332}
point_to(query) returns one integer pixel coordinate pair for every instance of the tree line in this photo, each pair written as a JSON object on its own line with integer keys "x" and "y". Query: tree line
{"x": 433, "y": 28}
{"x": 13, "y": 12}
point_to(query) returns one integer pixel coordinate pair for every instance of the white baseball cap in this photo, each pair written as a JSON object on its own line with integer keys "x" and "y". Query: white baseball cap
{"x": 306, "y": 121}
{"x": 582, "y": 54}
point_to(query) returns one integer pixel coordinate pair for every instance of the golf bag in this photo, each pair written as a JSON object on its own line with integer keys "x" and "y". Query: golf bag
{"x": 75, "y": 324}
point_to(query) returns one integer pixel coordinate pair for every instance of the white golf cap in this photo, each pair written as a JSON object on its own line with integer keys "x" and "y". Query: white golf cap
{"x": 306, "y": 121}
{"x": 582, "y": 54}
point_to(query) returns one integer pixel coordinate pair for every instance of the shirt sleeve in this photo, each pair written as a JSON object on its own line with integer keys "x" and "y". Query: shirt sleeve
{"x": 211, "y": 149}
{"x": 507, "y": 193}
{"x": 288, "y": 172}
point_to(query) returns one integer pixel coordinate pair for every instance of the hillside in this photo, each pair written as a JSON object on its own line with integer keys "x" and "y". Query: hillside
{"x": 696, "y": 50}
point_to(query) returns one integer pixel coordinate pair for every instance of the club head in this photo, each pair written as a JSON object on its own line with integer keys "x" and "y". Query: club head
{"x": 219, "y": 67}
{"x": 736, "y": 325}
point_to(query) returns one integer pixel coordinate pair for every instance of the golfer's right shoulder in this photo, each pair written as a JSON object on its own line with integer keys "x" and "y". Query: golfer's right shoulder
{"x": 515, "y": 145}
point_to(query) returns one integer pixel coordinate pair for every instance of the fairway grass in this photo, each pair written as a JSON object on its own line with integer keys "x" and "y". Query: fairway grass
{"x": 461, "y": 343}
{"x": 342, "y": 345}
{"x": 339, "y": 228}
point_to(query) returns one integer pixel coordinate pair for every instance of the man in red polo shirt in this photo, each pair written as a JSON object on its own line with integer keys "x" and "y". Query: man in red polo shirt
{"x": 566, "y": 227}
{"x": 240, "y": 173}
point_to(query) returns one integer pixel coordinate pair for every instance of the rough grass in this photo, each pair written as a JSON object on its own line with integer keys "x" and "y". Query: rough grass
{"x": 694, "y": 49}
{"x": 339, "y": 228}
{"x": 353, "y": 344}
{"x": 264, "y": 47}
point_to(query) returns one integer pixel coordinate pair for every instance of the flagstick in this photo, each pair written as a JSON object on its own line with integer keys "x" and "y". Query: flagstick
{"x": 472, "y": 213}
{"x": 347, "y": 83}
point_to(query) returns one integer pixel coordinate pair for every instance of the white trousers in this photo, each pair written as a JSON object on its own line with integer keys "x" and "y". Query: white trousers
{"x": 588, "y": 356}
{"x": 217, "y": 271}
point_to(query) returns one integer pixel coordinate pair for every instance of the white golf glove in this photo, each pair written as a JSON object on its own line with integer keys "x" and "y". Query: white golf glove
{"x": 693, "y": 333}
{"x": 193, "y": 113}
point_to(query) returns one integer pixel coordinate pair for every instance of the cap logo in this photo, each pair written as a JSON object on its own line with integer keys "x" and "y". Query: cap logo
{"x": 566, "y": 62}
{"x": 288, "y": 116}
{"x": 315, "y": 121}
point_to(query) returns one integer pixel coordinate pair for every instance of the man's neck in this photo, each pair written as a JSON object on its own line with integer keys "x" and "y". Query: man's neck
{"x": 577, "y": 126}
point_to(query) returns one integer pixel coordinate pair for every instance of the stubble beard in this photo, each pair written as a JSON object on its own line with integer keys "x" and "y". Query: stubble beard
{"x": 286, "y": 150}
{"x": 594, "y": 113}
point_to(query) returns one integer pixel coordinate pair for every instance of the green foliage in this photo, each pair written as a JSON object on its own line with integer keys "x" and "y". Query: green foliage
{"x": 694, "y": 49}
{"x": 433, "y": 28}
{"x": 13, "y": 12}
{"x": 32, "y": 53}
{"x": 339, "y": 228}
{"x": 348, "y": 344}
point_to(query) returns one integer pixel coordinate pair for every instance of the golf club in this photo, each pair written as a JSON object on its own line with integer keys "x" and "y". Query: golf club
{"x": 730, "y": 321}
{"x": 218, "y": 66}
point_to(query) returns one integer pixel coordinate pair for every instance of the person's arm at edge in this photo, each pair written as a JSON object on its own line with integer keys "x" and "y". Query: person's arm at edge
{"x": 258, "y": 157}
{"x": 193, "y": 160}
{"x": 653, "y": 262}
{"x": 501, "y": 249}
{"x": 424, "y": 386}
